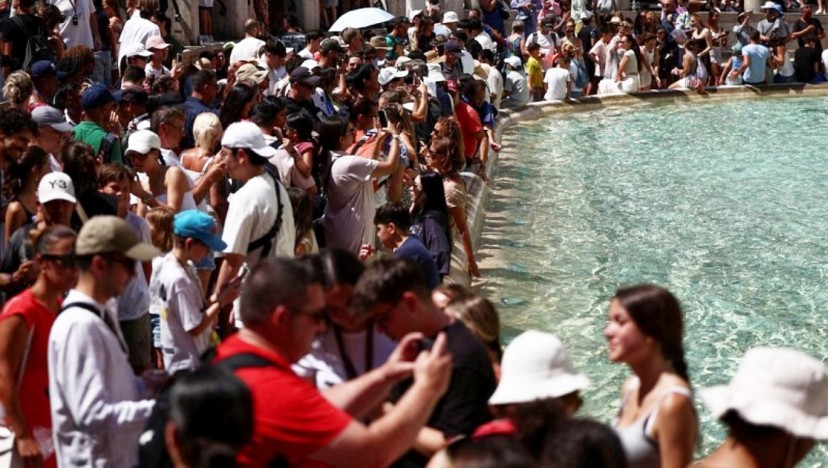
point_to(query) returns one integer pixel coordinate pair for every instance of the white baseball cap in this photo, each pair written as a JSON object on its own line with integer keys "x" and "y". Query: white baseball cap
{"x": 56, "y": 186}
{"x": 136, "y": 48}
{"x": 143, "y": 141}
{"x": 389, "y": 74}
{"x": 513, "y": 62}
{"x": 247, "y": 135}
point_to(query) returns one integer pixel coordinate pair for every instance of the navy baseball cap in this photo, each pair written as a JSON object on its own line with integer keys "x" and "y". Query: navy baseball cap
{"x": 199, "y": 226}
{"x": 44, "y": 68}
{"x": 134, "y": 94}
{"x": 96, "y": 96}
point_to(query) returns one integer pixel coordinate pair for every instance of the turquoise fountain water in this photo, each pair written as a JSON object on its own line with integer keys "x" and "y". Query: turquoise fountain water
{"x": 724, "y": 204}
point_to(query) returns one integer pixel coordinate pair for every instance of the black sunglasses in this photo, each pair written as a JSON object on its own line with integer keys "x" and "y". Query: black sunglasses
{"x": 66, "y": 260}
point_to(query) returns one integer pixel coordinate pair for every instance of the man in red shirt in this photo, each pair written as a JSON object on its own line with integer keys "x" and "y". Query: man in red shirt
{"x": 475, "y": 140}
{"x": 283, "y": 310}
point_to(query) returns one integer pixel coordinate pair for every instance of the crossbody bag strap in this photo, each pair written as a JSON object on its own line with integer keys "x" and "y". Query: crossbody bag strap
{"x": 101, "y": 315}
{"x": 266, "y": 241}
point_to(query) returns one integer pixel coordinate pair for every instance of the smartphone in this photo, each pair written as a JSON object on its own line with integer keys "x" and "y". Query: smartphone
{"x": 179, "y": 57}
{"x": 383, "y": 119}
{"x": 425, "y": 344}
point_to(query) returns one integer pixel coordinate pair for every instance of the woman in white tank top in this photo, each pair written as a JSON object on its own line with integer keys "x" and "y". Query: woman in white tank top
{"x": 162, "y": 185}
{"x": 657, "y": 424}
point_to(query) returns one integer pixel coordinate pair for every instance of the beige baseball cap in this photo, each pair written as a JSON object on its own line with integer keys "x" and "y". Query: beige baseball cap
{"x": 110, "y": 234}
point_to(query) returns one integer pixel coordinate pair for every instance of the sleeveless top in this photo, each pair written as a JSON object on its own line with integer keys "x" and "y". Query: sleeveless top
{"x": 194, "y": 177}
{"x": 639, "y": 446}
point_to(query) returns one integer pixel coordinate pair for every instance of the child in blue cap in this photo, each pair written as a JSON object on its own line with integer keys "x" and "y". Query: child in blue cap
{"x": 187, "y": 318}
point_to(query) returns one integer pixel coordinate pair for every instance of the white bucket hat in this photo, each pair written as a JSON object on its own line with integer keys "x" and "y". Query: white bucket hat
{"x": 779, "y": 387}
{"x": 536, "y": 366}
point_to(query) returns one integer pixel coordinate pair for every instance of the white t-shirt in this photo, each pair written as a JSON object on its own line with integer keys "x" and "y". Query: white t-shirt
{"x": 599, "y": 50}
{"x": 134, "y": 302}
{"x": 252, "y": 213}
{"x": 155, "y": 72}
{"x": 556, "y": 80}
{"x": 178, "y": 300}
{"x": 495, "y": 83}
{"x": 80, "y": 34}
{"x": 349, "y": 214}
{"x": 138, "y": 30}
{"x": 325, "y": 366}
{"x": 170, "y": 158}
{"x": 246, "y": 49}
{"x": 485, "y": 41}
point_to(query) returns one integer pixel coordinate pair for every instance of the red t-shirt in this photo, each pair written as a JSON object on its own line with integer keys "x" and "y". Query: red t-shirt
{"x": 291, "y": 418}
{"x": 34, "y": 388}
{"x": 470, "y": 124}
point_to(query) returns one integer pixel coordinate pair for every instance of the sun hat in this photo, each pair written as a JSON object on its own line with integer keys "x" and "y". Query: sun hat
{"x": 435, "y": 73}
{"x": 389, "y": 74}
{"x": 136, "y": 48}
{"x": 156, "y": 42}
{"x": 779, "y": 387}
{"x": 96, "y": 97}
{"x": 450, "y": 17}
{"x": 246, "y": 135}
{"x": 110, "y": 234}
{"x": 615, "y": 20}
{"x": 144, "y": 141}
{"x": 513, "y": 62}
{"x": 378, "y": 42}
{"x": 414, "y": 14}
{"x": 536, "y": 366}
{"x": 56, "y": 186}
{"x": 198, "y": 225}
{"x": 248, "y": 71}
{"x": 48, "y": 115}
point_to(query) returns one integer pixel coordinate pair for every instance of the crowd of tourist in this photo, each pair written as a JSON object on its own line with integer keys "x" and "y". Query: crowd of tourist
{"x": 247, "y": 259}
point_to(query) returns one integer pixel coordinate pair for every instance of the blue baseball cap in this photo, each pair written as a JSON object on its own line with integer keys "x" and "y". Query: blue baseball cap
{"x": 44, "y": 68}
{"x": 96, "y": 96}
{"x": 200, "y": 226}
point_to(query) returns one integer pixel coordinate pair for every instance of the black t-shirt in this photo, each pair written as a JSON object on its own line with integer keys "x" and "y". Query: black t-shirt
{"x": 804, "y": 60}
{"x": 465, "y": 405}
{"x": 10, "y": 31}
{"x": 799, "y": 25}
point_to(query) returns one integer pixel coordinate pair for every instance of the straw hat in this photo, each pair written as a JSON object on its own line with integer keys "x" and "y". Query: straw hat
{"x": 536, "y": 366}
{"x": 779, "y": 387}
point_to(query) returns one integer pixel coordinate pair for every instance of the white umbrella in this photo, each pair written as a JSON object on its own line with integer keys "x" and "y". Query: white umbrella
{"x": 361, "y": 18}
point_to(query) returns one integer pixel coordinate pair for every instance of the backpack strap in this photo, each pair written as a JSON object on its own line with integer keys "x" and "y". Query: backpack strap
{"x": 266, "y": 241}
{"x": 243, "y": 360}
{"x": 101, "y": 314}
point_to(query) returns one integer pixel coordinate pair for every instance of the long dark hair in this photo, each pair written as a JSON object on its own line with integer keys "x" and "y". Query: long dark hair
{"x": 636, "y": 50}
{"x": 658, "y": 314}
{"x": 231, "y": 110}
{"x": 331, "y": 131}
{"x": 434, "y": 200}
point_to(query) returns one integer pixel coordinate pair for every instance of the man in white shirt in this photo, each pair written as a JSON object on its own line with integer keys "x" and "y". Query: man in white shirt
{"x": 547, "y": 38}
{"x": 259, "y": 222}
{"x": 249, "y": 47}
{"x": 139, "y": 27}
{"x": 494, "y": 79}
{"x": 515, "y": 88}
{"x": 79, "y": 27}
{"x": 558, "y": 81}
{"x": 273, "y": 60}
{"x": 99, "y": 407}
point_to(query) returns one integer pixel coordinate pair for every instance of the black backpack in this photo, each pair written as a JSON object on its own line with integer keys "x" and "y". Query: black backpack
{"x": 37, "y": 46}
{"x": 152, "y": 449}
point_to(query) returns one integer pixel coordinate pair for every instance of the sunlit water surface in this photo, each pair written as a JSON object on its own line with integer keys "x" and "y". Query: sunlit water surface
{"x": 724, "y": 204}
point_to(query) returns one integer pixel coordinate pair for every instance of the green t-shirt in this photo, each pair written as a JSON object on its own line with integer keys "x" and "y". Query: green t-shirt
{"x": 93, "y": 135}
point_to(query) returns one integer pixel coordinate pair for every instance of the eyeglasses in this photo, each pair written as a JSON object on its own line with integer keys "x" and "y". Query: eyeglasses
{"x": 65, "y": 260}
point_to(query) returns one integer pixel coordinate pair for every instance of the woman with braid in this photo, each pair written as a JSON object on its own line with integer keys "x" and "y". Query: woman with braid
{"x": 657, "y": 424}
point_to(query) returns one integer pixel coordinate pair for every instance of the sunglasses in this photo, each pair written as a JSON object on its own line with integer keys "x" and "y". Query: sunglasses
{"x": 65, "y": 261}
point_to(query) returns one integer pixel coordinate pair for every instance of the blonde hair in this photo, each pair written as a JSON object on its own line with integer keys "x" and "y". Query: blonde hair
{"x": 206, "y": 130}
{"x": 479, "y": 315}
{"x": 18, "y": 88}
{"x": 160, "y": 220}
